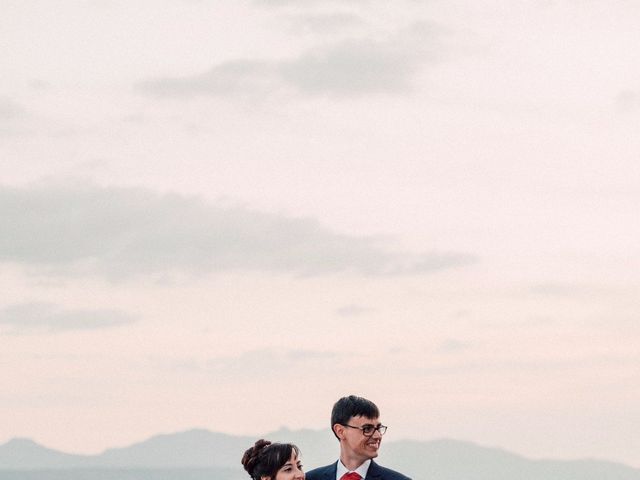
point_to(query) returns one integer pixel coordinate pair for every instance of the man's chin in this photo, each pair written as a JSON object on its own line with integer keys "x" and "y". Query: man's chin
{"x": 373, "y": 452}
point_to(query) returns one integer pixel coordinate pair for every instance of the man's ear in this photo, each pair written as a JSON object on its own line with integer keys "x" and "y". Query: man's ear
{"x": 339, "y": 431}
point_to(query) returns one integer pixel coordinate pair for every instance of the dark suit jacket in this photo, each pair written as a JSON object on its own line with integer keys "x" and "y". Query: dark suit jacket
{"x": 375, "y": 472}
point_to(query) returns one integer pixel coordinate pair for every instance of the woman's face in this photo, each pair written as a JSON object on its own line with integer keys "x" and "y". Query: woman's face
{"x": 292, "y": 470}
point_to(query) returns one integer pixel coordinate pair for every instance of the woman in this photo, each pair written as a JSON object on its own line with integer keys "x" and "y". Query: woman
{"x": 273, "y": 461}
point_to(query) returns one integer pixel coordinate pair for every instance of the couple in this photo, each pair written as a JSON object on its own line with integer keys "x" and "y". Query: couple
{"x": 354, "y": 421}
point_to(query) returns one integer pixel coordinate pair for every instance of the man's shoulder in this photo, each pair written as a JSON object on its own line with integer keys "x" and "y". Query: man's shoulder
{"x": 375, "y": 471}
{"x": 386, "y": 473}
{"x": 320, "y": 472}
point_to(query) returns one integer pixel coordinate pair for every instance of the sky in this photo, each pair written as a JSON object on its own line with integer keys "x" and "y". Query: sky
{"x": 227, "y": 214}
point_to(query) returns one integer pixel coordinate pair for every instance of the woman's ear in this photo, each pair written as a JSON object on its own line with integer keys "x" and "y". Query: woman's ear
{"x": 264, "y": 477}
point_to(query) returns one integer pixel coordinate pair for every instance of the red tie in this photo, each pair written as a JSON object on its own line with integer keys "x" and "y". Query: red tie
{"x": 351, "y": 476}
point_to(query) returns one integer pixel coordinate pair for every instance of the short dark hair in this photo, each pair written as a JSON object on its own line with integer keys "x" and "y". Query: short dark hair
{"x": 352, "y": 406}
{"x": 264, "y": 459}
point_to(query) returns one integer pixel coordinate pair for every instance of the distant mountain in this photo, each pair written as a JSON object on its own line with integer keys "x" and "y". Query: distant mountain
{"x": 21, "y": 453}
{"x": 125, "y": 474}
{"x": 455, "y": 460}
{"x": 201, "y": 454}
{"x": 194, "y": 448}
{"x": 190, "y": 449}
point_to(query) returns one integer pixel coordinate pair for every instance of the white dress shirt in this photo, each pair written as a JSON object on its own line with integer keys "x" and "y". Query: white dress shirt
{"x": 361, "y": 470}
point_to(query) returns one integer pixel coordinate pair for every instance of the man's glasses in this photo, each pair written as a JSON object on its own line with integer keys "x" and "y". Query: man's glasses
{"x": 367, "y": 430}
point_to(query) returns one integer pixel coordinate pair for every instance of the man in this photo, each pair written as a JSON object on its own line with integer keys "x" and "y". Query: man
{"x": 354, "y": 421}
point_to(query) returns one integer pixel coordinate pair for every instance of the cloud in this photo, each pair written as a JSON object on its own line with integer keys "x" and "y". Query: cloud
{"x": 348, "y": 68}
{"x": 627, "y": 101}
{"x": 268, "y": 362}
{"x": 50, "y": 318}
{"x": 352, "y": 310}
{"x": 452, "y": 345}
{"x": 10, "y": 109}
{"x": 568, "y": 289}
{"x": 328, "y": 23}
{"x": 353, "y": 67}
{"x": 306, "y": 3}
{"x": 562, "y": 362}
{"x": 12, "y": 116}
{"x": 226, "y": 79}
{"x": 124, "y": 232}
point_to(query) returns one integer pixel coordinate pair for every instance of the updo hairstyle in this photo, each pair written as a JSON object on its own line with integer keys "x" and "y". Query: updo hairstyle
{"x": 264, "y": 459}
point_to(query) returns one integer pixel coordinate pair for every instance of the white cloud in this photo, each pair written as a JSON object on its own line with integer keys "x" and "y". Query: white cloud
{"x": 226, "y": 79}
{"x": 12, "y": 118}
{"x": 326, "y": 23}
{"x": 351, "y": 67}
{"x": 269, "y": 362}
{"x": 10, "y": 109}
{"x": 49, "y": 318}
{"x": 571, "y": 290}
{"x": 627, "y": 101}
{"x": 352, "y": 310}
{"x": 452, "y": 345}
{"x": 122, "y": 232}
{"x": 306, "y": 3}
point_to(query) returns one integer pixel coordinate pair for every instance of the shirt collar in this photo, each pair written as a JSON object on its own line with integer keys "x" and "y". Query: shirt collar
{"x": 361, "y": 470}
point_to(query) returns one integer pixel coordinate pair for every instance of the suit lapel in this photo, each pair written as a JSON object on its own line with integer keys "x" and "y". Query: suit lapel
{"x": 373, "y": 472}
{"x": 330, "y": 472}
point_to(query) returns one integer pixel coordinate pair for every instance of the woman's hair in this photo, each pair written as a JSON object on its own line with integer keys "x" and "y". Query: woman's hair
{"x": 264, "y": 459}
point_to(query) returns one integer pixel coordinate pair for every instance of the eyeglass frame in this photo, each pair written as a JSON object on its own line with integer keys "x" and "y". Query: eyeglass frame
{"x": 381, "y": 429}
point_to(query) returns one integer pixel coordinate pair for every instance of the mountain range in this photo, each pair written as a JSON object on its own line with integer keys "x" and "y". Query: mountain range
{"x": 202, "y": 454}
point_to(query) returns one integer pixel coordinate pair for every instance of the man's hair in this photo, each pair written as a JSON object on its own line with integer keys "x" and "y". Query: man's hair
{"x": 352, "y": 406}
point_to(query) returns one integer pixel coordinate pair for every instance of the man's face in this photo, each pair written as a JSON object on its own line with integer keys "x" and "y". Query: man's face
{"x": 355, "y": 444}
